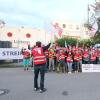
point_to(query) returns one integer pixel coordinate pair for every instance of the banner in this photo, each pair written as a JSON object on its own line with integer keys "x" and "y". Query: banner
{"x": 90, "y": 67}
{"x": 10, "y": 53}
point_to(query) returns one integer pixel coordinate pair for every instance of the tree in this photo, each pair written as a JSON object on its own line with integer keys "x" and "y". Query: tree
{"x": 86, "y": 42}
{"x": 96, "y": 38}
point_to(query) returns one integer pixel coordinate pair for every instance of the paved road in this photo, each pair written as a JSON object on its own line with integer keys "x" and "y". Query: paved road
{"x": 79, "y": 86}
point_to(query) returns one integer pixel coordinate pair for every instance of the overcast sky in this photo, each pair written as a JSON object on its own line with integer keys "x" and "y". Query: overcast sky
{"x": 34, "y": 13}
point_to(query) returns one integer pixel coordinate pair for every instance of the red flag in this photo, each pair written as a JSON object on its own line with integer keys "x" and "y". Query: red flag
{"x": 60, "y": 32}
{"x": 58, "y": 28}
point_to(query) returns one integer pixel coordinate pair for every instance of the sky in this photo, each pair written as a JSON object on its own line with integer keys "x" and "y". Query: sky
{"x": 35, "y": 13}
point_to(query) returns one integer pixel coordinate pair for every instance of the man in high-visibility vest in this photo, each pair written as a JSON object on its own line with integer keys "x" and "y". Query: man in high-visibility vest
{"x": 62, "y": 66}
{"x": 69, "y": 61}
{"x": 39, "y": 65}
{"x": 76, "y": 61}
{"x": 52, "y": 55}
{"x": 80, "y": 60}
{"x": 93, "y": 56}
{"x": 86, "y": 56}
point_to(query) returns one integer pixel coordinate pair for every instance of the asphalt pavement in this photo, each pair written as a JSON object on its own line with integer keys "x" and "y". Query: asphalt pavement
{"x": 18, "y": 85}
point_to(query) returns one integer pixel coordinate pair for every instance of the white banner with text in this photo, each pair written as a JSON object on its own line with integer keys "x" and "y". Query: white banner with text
{"x": 90, "y": 67}
{"x": 10, "y": 53}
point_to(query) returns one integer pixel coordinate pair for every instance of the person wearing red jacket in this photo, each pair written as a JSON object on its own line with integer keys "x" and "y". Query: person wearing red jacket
{"x": 52, "y": 55}
{"x": 86, "y": 56}
{"x": 26, "y": 58}
{"x": 39, "y": 65}
{"x": 62, "y": 66}
{"x": 76, "y": 61}
{"x": 69, "y": 61}
{"x": 93, "y": 56}
{"x": 80, "y": 60}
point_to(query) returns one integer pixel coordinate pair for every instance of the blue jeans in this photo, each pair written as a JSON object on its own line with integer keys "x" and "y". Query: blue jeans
{"x": 69, "y": 64}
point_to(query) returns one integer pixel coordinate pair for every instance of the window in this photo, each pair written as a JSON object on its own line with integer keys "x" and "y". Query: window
{"x": 64, "y": 25}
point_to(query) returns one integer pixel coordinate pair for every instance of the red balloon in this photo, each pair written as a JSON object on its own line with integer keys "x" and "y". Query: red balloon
{"x": 28, "y": 35}
{"x": 9, "y": 34}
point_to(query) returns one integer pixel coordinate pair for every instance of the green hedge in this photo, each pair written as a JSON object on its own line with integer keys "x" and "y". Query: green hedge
{"x": 69, "y": 41}
{"x": 74, "y": 41}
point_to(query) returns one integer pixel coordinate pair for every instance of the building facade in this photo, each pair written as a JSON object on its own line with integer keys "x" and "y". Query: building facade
{"x": 21, "y": 37}
{"x": 72, "y": 29}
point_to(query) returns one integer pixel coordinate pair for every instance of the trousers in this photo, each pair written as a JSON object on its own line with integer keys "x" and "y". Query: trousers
{"x": 39, "y": 69}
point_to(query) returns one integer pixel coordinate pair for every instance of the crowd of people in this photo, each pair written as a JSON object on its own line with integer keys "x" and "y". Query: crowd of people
{"x": 57, "y": 58}
{"x": 66, "y": 59}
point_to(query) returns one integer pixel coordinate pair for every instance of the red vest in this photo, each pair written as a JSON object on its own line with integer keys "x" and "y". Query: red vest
{"x": 61, "y": 55}
{"x": 52, "y": 53}
{"x": 98, "y": 53}
{"x": 39, "y": 56}
{"x": 76, "y": 57}
{"x": 80, "y": 57}
{"x": 69, "y": 58}
{"x": 26, "y": 54}
{"x": 93, "y": 57}
{"x": 85, "y": 54}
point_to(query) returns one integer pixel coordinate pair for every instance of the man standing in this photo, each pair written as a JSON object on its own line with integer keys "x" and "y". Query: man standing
{"x": 39, "y": 65}
{"x": 52, "y": 55}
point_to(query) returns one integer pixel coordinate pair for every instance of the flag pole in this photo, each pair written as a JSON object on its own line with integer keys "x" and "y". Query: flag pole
{"x": 44, "y": 23}
{"x": 88, "y": 13}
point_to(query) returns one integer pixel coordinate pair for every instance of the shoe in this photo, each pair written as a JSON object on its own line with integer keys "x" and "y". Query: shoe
{"x": 53, "y": 70}
{"x": 36, "y": 89}
{"x": 41, "y": 91}
{"x": 76, "y": 71}
{"x": 69, "y": 72}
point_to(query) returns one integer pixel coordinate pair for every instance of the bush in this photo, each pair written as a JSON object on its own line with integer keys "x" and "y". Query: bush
{"x": 69, "y": 41}
{"x": 86, "y": 42}
{"x": 74, "y": 41}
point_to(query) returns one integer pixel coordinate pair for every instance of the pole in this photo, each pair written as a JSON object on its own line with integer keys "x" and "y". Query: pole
{"x": 88, "y": 13}
{"x": 44, "y": 25}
